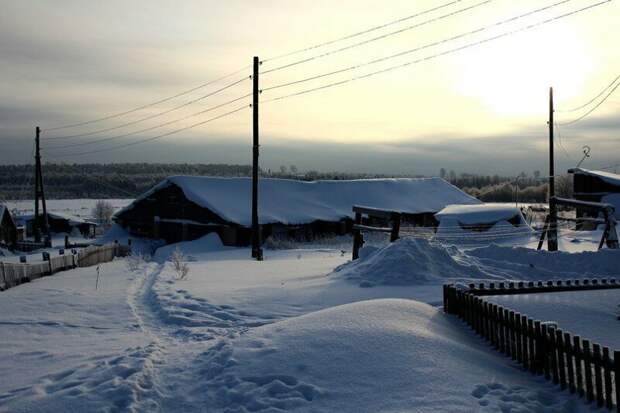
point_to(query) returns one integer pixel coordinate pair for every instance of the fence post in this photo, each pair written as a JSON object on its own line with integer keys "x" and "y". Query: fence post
{"x": 559, "y": 339}
{"x": 569, "y": 362}
{"x": 607, "y": 377}
{"x": 598, "y": 378}
{"x": 5, "y": 285}
{"x": 395, "y": 226}
{"x": 358, "y": 240}
{"x": 617, "y": 378}
{"x": 578, "y": 365}
{"x": 519, "y": 337}
{"x": 531, "y": 346}
{"x": 553, "y": 354}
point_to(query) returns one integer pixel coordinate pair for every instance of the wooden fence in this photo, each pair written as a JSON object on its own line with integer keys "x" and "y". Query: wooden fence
{"x": 14, "y": 274}
{"x": 391, "y": 217}
{"x": 574, "y": 363}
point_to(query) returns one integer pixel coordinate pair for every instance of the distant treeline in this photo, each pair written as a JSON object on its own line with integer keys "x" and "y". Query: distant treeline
{"x": 127, "y": 180}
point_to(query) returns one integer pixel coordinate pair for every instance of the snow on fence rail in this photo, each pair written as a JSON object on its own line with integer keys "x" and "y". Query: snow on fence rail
{"x": 14, "y": 274}
{"x": 574, "y": 363}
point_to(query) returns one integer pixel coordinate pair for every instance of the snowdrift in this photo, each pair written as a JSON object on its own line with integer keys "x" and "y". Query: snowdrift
{"x": 408, "y": 261}
{"x": 192, "y": 249}
{"x": 529, "y": 264}
{"x": 372, "y": 356}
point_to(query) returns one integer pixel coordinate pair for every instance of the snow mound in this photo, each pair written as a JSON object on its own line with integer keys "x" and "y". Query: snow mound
{"x": 371, "y": 356}
{"x": 408, "y": 261}
{"x": 531, "y": 264}
{"x": 192, "y": 249}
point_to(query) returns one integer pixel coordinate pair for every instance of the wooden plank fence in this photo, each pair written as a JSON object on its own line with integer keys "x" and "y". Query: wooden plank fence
{"x": 12, "y": 274}
{"x": 572, "y": 362}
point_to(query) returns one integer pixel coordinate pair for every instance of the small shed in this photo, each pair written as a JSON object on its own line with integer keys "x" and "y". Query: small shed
{"x": 595, "y": 186}
{"x": 484, "y": 222}
{"x": 8, "y": 228}
{"x": 188, "y": 207}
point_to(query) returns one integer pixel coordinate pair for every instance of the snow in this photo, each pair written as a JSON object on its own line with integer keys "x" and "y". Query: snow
{"x": 608, "y": 177}
{"x": 593, "y": 315}
{"x": 372, "y": 356}
{"x": 408, "y": 261}
{"x": 295, "y": 202}
{"x": 478, "y": 214}
{"x": 296, "y": 332}
{"x": 81, "y": 208}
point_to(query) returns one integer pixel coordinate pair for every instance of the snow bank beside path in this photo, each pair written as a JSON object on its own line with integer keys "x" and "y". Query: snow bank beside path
{"x": 372, "y": 356}
{"x": 192, "y": 249}
{"x": 409, "y": 261}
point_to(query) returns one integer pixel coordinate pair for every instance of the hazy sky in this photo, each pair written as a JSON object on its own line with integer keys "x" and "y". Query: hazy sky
{"x": 482, "y": 109}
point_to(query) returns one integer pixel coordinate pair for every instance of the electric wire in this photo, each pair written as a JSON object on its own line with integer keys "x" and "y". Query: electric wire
{"x": 383, "y": 36}
{"x": 570, "y": 158}
{"x": 156, "y": 115}
{"x": 161, "y": 125}
{"x": 360, "y": 33}
{"x": 127, "y": 112}
{"x": 591, "y": 100}
{"x": 157, "y": 136}
{"x": 588, "y": 113}
{"x": 430, "y": 57}
{"x": 417, "y": 49}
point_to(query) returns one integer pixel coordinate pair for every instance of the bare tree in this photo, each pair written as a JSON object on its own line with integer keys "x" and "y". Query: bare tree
{"x": 103, "y": 212}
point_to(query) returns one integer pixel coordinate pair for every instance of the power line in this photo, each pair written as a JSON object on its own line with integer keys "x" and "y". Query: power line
{"x": 570, "y": 158}
{"x": 585, "y": 115}
{"x": 71, "y": 145}
{"x": 592, "y": 100}
{"x": 351, "y": 36}
{"x": 383, "y": 36}
{"x": 417, "y": 49}
{"x": 156, "y": 115}
{"x": 158, "y": 136}
{"x": 467, "y": 46}
{"x": 74, "y": 125}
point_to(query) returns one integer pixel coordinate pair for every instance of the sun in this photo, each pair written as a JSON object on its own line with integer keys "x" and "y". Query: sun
{"x": 512, "y": 77}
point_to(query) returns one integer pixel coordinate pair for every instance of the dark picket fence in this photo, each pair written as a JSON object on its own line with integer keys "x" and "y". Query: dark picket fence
{"x": 12, "y": 274}
{"x": 574, "y": 363}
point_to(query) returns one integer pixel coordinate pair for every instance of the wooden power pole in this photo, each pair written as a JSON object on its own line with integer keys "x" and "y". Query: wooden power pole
{"x": 39, "y": 194}
{"x": 257, "y": 251}
{"x": 552, "y": 235}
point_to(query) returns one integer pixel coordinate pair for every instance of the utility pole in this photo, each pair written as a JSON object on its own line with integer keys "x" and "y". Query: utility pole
{"x": 257, "y": 251}
{"x": 39, "y": 193}
{"x": 552, "y": 234}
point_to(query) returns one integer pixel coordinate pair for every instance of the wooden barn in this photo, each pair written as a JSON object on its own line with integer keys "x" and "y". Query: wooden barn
{"x": 61, "y": 223}
{"x": 595, "y": 186}
{"x": 188, "y": 207}
{"x": 8, "y": 228}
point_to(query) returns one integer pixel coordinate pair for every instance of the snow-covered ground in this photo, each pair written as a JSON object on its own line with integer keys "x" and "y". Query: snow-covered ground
{"x": 592, "y": 315}
{"x": 305, "y": 330}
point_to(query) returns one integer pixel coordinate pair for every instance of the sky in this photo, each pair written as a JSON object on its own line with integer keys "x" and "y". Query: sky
{"x": 451, "y": 98}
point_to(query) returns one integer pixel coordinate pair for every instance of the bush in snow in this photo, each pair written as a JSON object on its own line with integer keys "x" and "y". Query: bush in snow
{"x": 178, "y": 263}
{"x": 136, "y": 260}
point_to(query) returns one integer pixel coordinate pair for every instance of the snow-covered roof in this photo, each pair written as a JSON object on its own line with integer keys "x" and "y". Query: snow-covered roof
{"x": 73, "y": 220}
{"x": 296, "y": 202}
{"x": 478, "y": 214}
{"x": 608, "y": 177}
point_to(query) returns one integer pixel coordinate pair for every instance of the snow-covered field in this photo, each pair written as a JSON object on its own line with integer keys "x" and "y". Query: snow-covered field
{"x": 305, "y": 330}
{"x": 77, "y": 207}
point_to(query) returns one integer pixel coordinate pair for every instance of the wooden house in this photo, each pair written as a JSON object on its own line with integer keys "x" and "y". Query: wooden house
{"x": 188, "y": 207}
{"x": 61, "y": 223}
{"x": 8, "y": 228}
